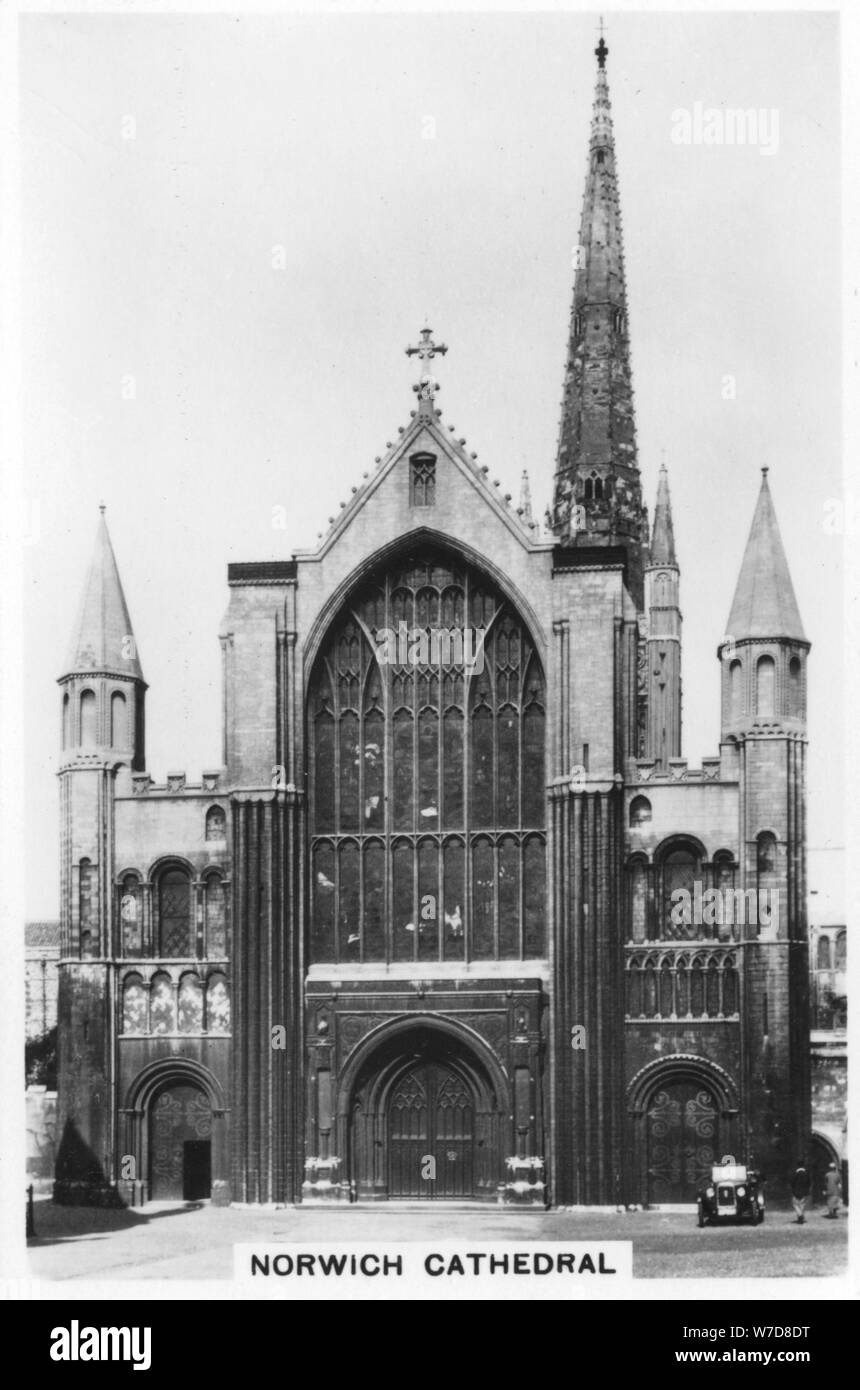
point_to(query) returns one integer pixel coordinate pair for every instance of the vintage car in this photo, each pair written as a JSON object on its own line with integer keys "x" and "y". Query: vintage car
{"x": 734, "y": 1193}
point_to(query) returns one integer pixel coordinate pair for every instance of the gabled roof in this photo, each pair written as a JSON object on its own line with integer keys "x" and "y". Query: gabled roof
{"x": 103, "y": 638}
{"x": 426, "y": 433}
{"x": 764, "y": 603}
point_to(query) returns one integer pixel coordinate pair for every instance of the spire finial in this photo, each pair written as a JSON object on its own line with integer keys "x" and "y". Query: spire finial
{"x": 764, "y": 471}
{"x": 601, "y": 52}
{"x": 427, "y": 385}
{"x": 102, "y": 508}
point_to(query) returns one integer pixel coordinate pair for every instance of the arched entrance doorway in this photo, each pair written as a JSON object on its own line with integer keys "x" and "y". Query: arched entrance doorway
{"x": 172, "y": 1103}
{"x": 683, "y": 1112}
{"x": 683, "y": 1140}
{"x": 180, "y": 1144}
{"x": 425, "y": 1121}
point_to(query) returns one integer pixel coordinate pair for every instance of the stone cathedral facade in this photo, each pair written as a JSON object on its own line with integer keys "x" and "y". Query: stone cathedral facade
{"x": 421, "y": 933}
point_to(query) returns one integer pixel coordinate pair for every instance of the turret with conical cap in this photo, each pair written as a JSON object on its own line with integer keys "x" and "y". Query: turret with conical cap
{"x": 103, "y": 739}
{"x": 103, "y": 680}
{"x": 763, "y": 670}
{"x": 763, "y": 655}
{"x": 598, "y": 497}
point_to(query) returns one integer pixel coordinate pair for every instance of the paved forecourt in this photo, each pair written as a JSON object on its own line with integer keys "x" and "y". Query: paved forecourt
{"x": 195, "y": 1241}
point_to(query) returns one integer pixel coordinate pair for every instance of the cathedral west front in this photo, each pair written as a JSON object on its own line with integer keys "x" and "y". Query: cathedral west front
{"x": 450, "y": 918}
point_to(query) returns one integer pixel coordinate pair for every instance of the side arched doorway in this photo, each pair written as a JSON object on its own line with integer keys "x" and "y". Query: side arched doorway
{"x": 425, "y": 1121}
{"x": 823, "y": 1152}
{"x": 180, "y": 1144}
{"x": 684, "y": 1117}
{"x": 174, "y": 1135}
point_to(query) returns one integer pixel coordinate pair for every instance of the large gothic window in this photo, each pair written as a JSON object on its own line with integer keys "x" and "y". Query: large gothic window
{"x": 426, "y": 733}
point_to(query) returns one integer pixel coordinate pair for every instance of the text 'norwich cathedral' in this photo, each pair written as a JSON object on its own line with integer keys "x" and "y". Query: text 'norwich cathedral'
{"x": 452, "y": 919}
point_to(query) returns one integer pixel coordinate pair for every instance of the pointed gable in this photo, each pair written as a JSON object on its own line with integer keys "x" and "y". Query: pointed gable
{"x": 103, "y": 638}
{"x": 764, "y": 603}
{"x": 425, "y": 437}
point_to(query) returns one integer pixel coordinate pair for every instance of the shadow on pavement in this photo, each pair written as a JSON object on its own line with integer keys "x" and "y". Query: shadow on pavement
{"x": 56, "y": 1224}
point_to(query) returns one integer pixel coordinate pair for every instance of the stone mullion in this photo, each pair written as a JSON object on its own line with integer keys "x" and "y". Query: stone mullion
{"x": 609, "y": 993}
{"x": 440, "y": 894}
{"x": 258, "y": 1009}
{"x": 468, "y": 925}
{"x": 563, "y": 1099}
{"x": 280, "y": 1008}
{"x": 294, "y": 913}
{"x": 576, "y": 869}
{"x": 600, "y": 964}
{"x": 386, "y": 683}
{"x": 413, "y": 825}
{"x": 521, "y": 705}
{"x": 277, "y": 1011}
{"x": 265, "y": 976}
{"x": 240, "y": 1007}
{"x": 586, "y": 971}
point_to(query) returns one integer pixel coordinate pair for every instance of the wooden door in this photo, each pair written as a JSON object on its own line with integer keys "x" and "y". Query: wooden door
{"x": 682, "y": 1141}
{"x": 180, "y": 1114}
{"x": 431, "y": 1120}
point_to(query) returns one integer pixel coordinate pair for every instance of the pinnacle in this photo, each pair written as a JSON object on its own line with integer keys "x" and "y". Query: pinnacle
{"x": 663, "y": 536}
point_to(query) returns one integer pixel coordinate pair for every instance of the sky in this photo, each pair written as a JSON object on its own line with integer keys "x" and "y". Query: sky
{"x": 232, "y": 227}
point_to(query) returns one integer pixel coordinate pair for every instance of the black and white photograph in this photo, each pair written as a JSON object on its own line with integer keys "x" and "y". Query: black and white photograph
{"x": 425, "y": 657}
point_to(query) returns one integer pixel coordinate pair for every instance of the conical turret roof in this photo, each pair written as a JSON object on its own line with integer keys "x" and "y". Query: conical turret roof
{"x": 764, "y": 603}
{"x": 103, "y": 638}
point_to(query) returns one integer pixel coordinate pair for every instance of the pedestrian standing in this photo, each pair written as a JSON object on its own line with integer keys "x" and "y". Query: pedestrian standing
{"x": 800, "y": 1188}
{"x": 832, "y": 1191}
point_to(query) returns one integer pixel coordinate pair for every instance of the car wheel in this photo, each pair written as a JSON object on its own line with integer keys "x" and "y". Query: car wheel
{"x": 701, "y": 1216}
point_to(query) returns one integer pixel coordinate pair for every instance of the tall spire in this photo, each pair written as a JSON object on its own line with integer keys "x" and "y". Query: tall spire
{"x": 663, "y": 535}
{"x": 598, "y": 498}
{"x": 103, "y": 638}
{"x": 764, "y": 603}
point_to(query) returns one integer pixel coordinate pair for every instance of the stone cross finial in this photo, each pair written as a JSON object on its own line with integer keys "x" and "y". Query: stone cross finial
{"x": 427, "y": 386}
